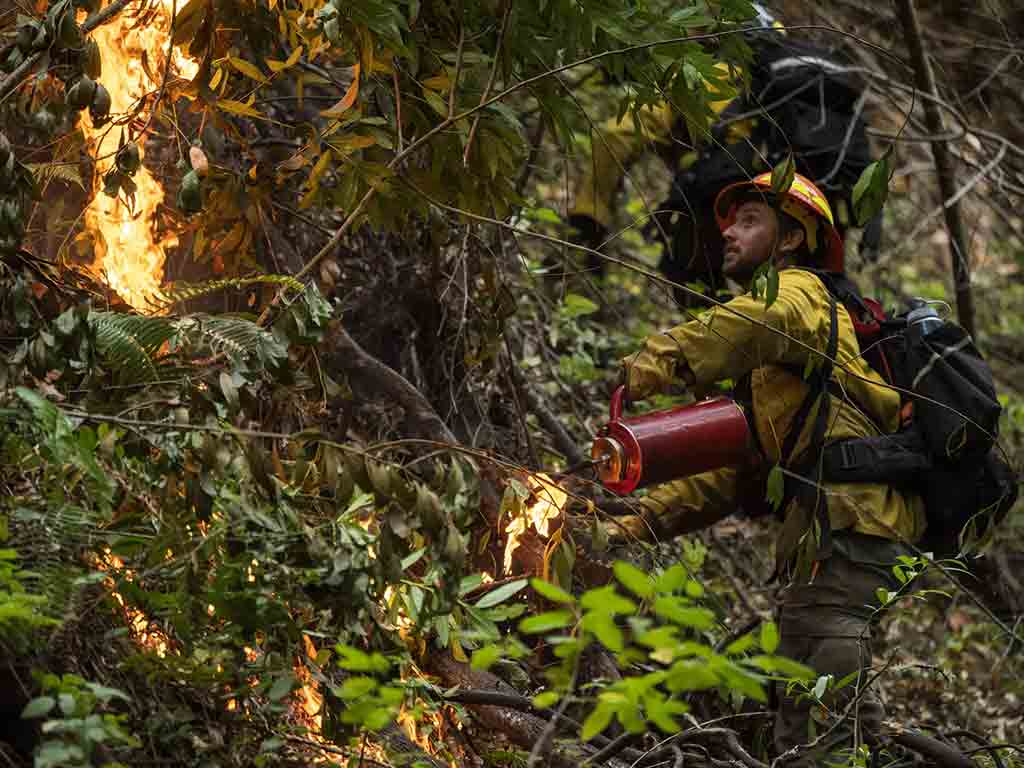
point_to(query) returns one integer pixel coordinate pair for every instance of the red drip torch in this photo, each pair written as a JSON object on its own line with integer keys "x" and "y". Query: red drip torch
{"x": 665, "y": 445}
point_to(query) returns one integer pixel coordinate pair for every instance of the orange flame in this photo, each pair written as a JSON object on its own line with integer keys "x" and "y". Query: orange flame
{"x": 545, "y": 504}
{"x": 129, "y": 252}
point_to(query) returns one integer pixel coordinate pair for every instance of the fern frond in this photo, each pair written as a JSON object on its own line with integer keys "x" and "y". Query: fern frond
{"x": 180, "y": 292}
{"x": 44, "y": 173}
{"x": 234, "y": 336}
{"x": 128, "y": 343}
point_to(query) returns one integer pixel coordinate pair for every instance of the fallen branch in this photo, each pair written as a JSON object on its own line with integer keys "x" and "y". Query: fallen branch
{"x": 377, "y": 381}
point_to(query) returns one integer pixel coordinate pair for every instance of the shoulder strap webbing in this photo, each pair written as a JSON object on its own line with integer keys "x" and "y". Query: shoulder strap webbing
{"x": 804, "y": 482}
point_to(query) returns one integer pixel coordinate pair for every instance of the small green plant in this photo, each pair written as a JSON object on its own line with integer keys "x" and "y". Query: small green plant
{"x": 75, "y": 730}
{"x": 20, "y": 612}
{"x": 661, "y": 624}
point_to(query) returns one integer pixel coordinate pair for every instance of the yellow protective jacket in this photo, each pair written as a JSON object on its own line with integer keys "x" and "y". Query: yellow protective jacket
{"x": 616, "y": 144}
{"x": 743, "y": 337}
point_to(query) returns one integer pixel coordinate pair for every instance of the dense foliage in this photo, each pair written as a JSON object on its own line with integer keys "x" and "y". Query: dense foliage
{"x": 237, "y": 536}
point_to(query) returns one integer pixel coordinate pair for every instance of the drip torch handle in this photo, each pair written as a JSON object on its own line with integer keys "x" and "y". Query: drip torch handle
{"x": 615, "y": 407}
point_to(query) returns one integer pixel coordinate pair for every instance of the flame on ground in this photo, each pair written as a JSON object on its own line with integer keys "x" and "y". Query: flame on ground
{"x": 129, "y": 252}
{"x": 140, "y": 627}
{"x": 544, "y": 506}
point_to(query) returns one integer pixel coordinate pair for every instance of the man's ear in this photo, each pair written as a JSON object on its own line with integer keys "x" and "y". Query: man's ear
{"x": 791, "y": 241}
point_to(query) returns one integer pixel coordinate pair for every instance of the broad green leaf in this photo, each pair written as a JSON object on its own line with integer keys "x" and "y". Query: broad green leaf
{"x": 740, "y": 645}
{"x": 769, "y": 637}
{"x": 282, "y": 687}
{"x": 596, "y": 721}
{"x": 607, "y": 600}
{"x": 672, "y": 579}
{"x": 633, "y": 579}
{"x": 355, "y": 687}
{"x": 500, "y": 594}
{"x": 38, "y": 707}
{"x": 872, "y": 188}
{"x": 485, "y": 657}
{"x": 690, "y": 675}
{"x": 577, "y": 306}
{"x": 821, "y": 686}
{"x": 783, "y": 175}
{"x": 677, "y": 611}
{"x": 546, "y": 699}
{"x": 546, "y": 622}
{"x": 771, "y": 288}
{"x": 551, "y": 592}
{"x": 605, "y": 630}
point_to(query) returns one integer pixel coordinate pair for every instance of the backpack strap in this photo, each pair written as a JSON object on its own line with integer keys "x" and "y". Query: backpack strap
{"x": 803, "y": 484}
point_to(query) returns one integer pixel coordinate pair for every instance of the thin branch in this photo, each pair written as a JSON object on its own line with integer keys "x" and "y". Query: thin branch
{"x": 490, "y": 80}
{"x": 925, "y": 79}
{"x": 361, "y": 206}
{"x": 458, "y": 70}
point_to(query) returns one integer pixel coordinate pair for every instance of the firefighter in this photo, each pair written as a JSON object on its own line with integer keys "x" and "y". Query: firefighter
{"x": 801, "y": 99}
{"x": 836, "y": 543}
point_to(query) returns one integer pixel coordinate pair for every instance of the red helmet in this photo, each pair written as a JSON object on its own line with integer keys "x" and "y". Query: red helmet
{"x": 805, "y": 203}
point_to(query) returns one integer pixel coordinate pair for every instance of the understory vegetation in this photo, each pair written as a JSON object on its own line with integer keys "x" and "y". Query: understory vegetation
{"x": 312, "y": 493}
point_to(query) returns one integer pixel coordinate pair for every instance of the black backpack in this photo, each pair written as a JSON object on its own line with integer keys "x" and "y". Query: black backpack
{"x": 805, "y": 101}
{"x": 946, "y": 446}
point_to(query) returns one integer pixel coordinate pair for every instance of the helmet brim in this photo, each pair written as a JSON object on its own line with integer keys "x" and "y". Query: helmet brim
{"x": 832, "y": 256}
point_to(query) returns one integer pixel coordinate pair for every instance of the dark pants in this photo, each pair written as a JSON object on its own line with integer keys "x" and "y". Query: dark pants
{"x": 826, "y": 623}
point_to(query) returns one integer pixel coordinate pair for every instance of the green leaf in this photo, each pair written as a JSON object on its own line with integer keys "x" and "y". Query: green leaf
{"x": 769, "y": 637}
{"x": 282, "y": 687}
{"x": 771, "y": 288}
{"x": 672, "y": 579}
{"x": 67, "y": 704}
{"x": 607, "y": 600}
{"x": 872, "y": 188}
{"x": 38, "y": 707}
{"x": 551, "y": 592}
{"x": 577, "y": 306}
{"x": 596, "y": 721}
{"x": 604, "y": 629}
{"x": 740, "y": 645}
{"x": 546, "y": 699}
{"x": 821, "y": 686}
{"x": 546, "y": 622}
{"x": 776, "y": 487}
{"x": 485, "y": 657}
{"x": 677, "y": 611}
{"x": 500, "y": 594}
{"x": 783, "y": 175}
{"x": 355, "y": 687}
{"x": 633, "y": 579}
{"x": 691, "y": 675}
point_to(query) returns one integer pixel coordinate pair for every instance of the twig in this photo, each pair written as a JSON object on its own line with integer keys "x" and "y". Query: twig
{"x": 381, "y": 381}
{"x": 13, "y": 80}
{"x": 490, "y": 81}
{"x": 544, "y": 742}
{"x": 509, "y": 370}
{"x": 398, "y": 108}
{"x": 944, "y": 163}
{"x": 458, "y": 68}
{"x": 611, "y": 749}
